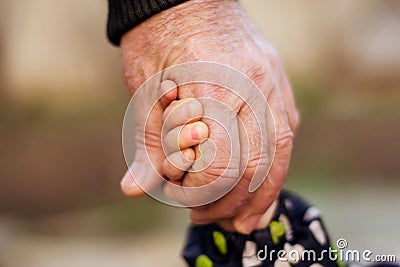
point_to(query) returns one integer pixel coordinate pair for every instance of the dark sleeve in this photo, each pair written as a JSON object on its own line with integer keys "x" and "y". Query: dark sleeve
{"x": 123, "y": 15}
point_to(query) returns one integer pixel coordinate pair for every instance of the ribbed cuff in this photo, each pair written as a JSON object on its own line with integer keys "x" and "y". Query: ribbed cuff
{"x": 123, "y": 15}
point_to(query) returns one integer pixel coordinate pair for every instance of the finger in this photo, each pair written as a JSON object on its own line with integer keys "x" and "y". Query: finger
{"x": 246, "y": 221}
{"x": 288, "y": 99}
{"x": 168, "y": 92}
{"x": 185, "y": 136}
{"x": 255, "y": 204}
{"x": 140, "y": 178}
{"x": 250, "y": 141}
{"x": 175, "y": 165}
{"x": 181, "y": 112}
{"x": 269, "y": 190}
{"x": 287, "y": 94}
{"x": 261, "y": 150}
{"x": 265, "y": 220}
{"x": 216, "y": 168}
{"x": 142, "y": 129}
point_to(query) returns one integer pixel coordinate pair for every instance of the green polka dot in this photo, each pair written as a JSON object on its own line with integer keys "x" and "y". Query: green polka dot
{"x": 203, "y": 261}
{"x": 336, "y": 254}
{"x": 277, "y": 230}
{"x": 220, "y": 242}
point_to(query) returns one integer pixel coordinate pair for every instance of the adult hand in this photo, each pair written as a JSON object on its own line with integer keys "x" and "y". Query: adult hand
{"x": 217, "y": 31}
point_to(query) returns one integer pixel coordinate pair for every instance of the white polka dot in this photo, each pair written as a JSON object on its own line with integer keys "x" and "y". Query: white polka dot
{"x": 316, "y": 265}
{"x": 293, "y": 253}
{"x": 250, "y": 249}
{"x": 287, "y": 246}
{"x": 299, "y": 248}
{"x": 279, "y": 263}
{"x": 249, "y": 256}
{"x": 318, "y": 232}
{"x": 311, "y": 214}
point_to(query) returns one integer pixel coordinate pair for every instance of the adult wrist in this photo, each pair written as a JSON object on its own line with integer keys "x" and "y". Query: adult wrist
{"x": 170, "y": 30}
{"x": 126, "y": 14}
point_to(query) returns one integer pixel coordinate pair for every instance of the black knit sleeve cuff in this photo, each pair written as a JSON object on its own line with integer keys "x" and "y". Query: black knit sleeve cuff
{"x": 123, "y": 15}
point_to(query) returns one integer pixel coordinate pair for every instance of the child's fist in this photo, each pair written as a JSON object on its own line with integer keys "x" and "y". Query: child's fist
{"x": 182, "y": 131}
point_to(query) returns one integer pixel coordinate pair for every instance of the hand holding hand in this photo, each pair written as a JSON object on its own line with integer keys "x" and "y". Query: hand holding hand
{"x": 216, "y": 31}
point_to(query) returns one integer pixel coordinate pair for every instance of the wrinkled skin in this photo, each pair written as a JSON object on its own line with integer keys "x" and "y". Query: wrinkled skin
{"x": 216, "y": 31}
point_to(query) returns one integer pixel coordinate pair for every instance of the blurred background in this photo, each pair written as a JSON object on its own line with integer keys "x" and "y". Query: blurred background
{"x": 62, "y": 102}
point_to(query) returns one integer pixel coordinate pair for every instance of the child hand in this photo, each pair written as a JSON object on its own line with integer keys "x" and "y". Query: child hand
{"x": 182, "y": 132}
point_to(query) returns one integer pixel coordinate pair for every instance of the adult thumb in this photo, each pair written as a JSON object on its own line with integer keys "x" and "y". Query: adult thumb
{"x": 142, "y": 129}
{"x": 141, "y": 177}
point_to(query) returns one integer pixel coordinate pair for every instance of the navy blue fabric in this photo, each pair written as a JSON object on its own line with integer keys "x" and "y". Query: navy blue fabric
{"x": 292, "y": 207}
{"x": 123, "y": 15}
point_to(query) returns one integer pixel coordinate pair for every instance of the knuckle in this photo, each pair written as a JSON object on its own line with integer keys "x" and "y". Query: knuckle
{"x": 273, "y": 54}
{"x": 296, "y": 120}
{"x": 257, "y": 71}
{"x": 284, "y": 140}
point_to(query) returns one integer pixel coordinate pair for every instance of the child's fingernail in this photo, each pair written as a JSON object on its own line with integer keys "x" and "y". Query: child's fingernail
{"x": 195, "y": 133}
{"x": 199, "y": 132}
{"x": 249, "y": 224}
